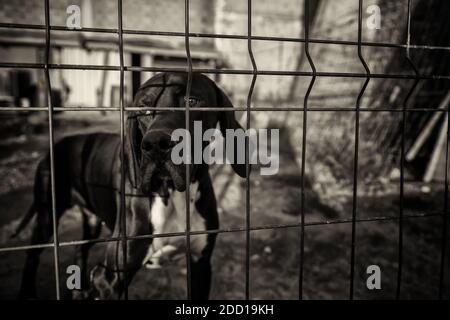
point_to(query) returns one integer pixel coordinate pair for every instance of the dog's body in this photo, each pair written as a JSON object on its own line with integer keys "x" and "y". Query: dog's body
{"x": 87, "y": 174}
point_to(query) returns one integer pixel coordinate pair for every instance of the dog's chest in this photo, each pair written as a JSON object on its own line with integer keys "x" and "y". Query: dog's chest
{"x": 171, "y": 218}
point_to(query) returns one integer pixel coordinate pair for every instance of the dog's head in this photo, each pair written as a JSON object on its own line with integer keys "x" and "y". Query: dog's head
{"x": 149, "y": 133}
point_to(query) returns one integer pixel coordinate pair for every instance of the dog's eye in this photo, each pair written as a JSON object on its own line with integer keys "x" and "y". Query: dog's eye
{"x": 192, "y": 101}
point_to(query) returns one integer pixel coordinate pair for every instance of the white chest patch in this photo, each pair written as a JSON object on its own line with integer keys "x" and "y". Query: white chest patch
{"x": 172, "y": 218}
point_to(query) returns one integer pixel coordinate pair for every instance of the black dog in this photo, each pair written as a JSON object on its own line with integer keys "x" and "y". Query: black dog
{"x": 87, "y": 174}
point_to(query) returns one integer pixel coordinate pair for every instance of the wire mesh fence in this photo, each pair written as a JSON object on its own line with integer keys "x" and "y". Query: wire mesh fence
{"x": 254, "y": 72}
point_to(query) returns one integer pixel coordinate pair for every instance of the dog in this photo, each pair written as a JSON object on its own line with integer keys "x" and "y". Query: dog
{"x": 87, "y": 174}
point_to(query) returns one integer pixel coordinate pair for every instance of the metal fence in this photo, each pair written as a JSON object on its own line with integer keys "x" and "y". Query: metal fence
{"x": 313, "y": 75}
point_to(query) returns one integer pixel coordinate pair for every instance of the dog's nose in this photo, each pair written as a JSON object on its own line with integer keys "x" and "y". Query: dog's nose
{"x": 157, "y": 141}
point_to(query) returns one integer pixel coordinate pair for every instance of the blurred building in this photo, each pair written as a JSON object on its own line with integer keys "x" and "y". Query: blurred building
{"x": 100, "y": 88}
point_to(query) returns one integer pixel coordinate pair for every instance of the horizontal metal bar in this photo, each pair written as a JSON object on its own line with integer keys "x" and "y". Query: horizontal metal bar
{"x": 25, "y": 109}
{"x": 218, "y": 231}
{"x": 207, "y": 109}
{"x": 222, "y": 36}
{"x": 223, "y": 71}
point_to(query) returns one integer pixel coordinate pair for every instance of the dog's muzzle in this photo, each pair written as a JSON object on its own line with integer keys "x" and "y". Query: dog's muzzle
{"x": 159, "y": 173}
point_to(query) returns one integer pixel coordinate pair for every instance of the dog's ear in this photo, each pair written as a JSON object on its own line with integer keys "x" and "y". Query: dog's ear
{"x": 133, "y": 138}
{"x": 227, "y": 120}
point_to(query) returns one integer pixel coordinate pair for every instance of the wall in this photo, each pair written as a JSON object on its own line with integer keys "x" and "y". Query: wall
{"x": 269, "y": 18}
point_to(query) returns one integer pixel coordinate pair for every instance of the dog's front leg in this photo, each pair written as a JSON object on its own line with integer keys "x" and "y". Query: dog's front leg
{"x": 201, "y": 272}
{"x": 109, "y": 280}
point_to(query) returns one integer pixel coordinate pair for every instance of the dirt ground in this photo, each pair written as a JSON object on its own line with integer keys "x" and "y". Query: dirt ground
{"x": 274, "y": 253}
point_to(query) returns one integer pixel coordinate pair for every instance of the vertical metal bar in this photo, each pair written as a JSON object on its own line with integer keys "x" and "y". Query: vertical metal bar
{"x": 402, "y": 155}
{"x": 355, "y": 160}
{"x": 247, "y": 151}
{"x": 445, "y": 216}
{"x": 305, "y": 109}
{"x": 122, "y": 212}
{"x": 51, "y": 144}
{"x": 188, "y": 166}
